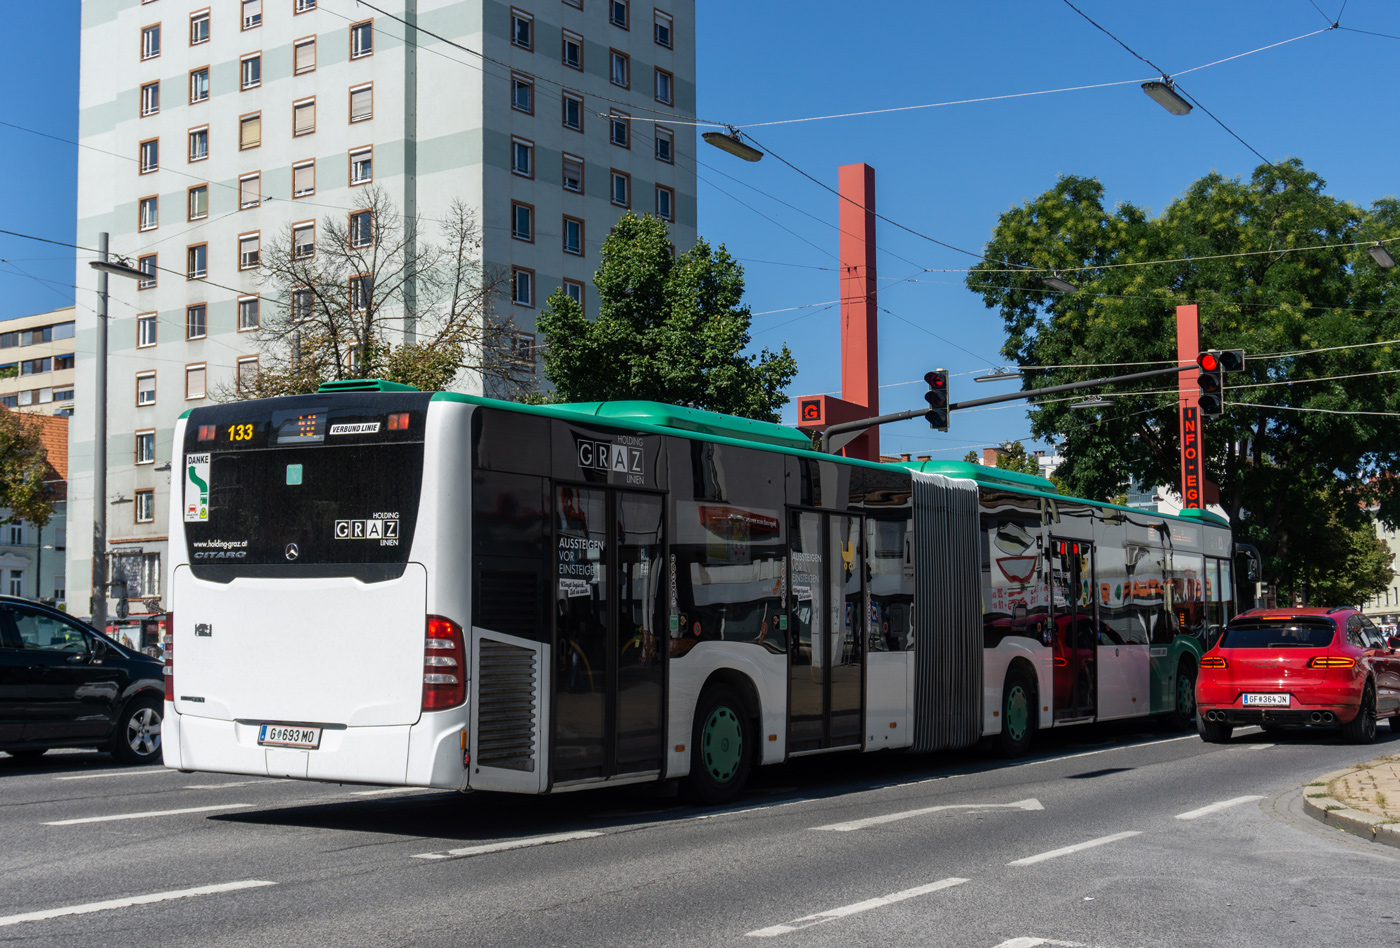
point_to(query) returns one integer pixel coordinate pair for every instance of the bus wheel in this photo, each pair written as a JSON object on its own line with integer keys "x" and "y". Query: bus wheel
{"x": 1184, "y": 706}
{"x": 721, "y": 748}
{"x": 1017, "y": 714}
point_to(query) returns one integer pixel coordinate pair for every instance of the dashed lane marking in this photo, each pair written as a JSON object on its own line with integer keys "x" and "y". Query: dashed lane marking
{"x": 387, "y": 790}
{"x": 236, "y": 783}
{"x": 509, "y": 844}
{"x": 831, "y": 915}
{"x": 120, "y": 773}
{"x": 146, "y": 814}
{"x": 909, "y": 814}
{"x": 1037, "y": 942}
{"x": 1077, "y": 847}
{"x": 90, "y": 907}
{"x": 1217, "y": 807}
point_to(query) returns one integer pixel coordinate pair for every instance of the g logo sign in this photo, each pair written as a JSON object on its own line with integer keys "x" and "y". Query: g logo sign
{"x": 810, "y": 410}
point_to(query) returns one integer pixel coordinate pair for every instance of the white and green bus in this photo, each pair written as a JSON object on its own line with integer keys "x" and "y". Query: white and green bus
{"x": 374, "y": 584}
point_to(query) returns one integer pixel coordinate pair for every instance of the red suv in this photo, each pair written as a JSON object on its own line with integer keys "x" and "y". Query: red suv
{"x": 1297, "y": 668}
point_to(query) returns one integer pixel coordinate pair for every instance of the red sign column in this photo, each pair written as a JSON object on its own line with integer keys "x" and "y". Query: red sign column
{"x": 860, "y": 369}
{"x": 1188, "y": 347}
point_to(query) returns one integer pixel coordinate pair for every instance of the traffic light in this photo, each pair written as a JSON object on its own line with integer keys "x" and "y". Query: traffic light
{"x": 1231, "y": 360}
{"x": 937, "y": 398}
{"x": 1211, "y": 399}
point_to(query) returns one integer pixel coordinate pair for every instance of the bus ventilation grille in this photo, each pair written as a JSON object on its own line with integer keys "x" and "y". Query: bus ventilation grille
{"x": 508, "y": 695}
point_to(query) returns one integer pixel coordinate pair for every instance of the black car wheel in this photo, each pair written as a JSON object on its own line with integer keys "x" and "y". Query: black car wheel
{"x": 1213, "y": 732}
{"x": 137, "y": 740}
{"x": 1362, "y": 728}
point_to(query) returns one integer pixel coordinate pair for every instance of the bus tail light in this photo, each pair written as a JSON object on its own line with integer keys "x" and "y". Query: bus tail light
{"x": 1214, "y": 661}
{"x": 1332, "y": 661}
{"x": 169, "y": 644}
{"x": 444, "y": 671}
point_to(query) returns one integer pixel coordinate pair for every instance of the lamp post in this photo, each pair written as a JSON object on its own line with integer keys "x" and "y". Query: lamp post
{"x": 103, "y": 266}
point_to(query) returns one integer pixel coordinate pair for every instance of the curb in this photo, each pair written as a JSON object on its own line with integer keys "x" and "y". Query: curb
{"x": 1326, "y": 810}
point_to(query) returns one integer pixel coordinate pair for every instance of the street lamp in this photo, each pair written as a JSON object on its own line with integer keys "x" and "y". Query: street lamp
{"x": 733, "y": 143}
{"x": 1164, "y": 93}
{"x": 1381, "y": 255}
{"x": 1057, "y": 282}
{"x": 999, "y": 374}
{"x": 103, "y": 266}
{"x": 1096, "y": 401}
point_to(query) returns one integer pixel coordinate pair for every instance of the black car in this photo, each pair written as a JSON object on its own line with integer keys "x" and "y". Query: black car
{"x": 64, "y": 684}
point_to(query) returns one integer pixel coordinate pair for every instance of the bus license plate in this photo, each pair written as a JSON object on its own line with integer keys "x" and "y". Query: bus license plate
{"x": 1271, "y": 701}
{"x": 281, "y": 735}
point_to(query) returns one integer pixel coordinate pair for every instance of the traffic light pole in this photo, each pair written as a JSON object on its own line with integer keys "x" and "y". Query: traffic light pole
{"x": 837, "y": 436}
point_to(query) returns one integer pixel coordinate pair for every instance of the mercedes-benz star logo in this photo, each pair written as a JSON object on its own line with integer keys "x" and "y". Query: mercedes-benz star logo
{"x": 292, "y": 551}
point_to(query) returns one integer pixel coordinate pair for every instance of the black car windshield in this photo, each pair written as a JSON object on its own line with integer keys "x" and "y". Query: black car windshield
{"x": 1278, "y": 633}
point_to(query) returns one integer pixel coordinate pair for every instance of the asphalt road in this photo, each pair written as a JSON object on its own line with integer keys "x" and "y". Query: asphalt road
{"x": 1107, "y": 836}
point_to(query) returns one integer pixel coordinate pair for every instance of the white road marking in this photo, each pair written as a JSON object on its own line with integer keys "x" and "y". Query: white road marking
{"x": 120, "y": 773}
{"x": 90, "y": 907}
{"x": 384, "y": 790}
{"x": 236, "y": 783}
{"x": 908, "y": 814}
{"x": 1036, "y": 942}
{"x": 1077, "y": 847}
{"x": 1259, "y": 747}
{"x": 1217, "y": 807}
{"x": 146, "y": 814}
{"x": 832, "y": 914}
{"x": 750, "y": 809}
{"x": 509, "y": 844}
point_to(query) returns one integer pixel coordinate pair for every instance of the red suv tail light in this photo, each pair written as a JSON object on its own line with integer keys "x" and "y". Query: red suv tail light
{"x": 1332, "y": 661}
{"x": 169, "y": 644}
{"x": 1214, "y": 661}
{"x": 444, "y": 665}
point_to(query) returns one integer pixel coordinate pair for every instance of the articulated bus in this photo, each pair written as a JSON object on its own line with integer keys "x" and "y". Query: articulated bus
{"x": 379, "y": 585}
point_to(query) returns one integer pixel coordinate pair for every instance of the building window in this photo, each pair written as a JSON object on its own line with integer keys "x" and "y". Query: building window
{"x": 249, "y": 191}
{"x": 662, "y": 31}
{"x": 199, "y": 27}
{"x": 150, "y": 98}
{"x": 246, "y": 375}
{"x": 304, "y": 240}
{"x": 148, "y": 213}
{"x": 361, "y": 166}
{"x": 150, "y": 41}
{"x": 36, "y": 366}
{"x": 194, "y": 381}
{"x": 665, "y": 203}
{"x": 522, "y": 94}
{"x": 573, "y": 235}
{"x": 573, "y": 112}
{"x": 145, "y": 506}
{"x": 362, "y": 102}
{"x": 150, "y": 156}
{"x": 304, "y": 6}
{"x": 620, "y": 70}
{"x": 196, "y": 324}
{"x": 251, "y": 71}
{"x": 573, "y": 289}
{"x": 199, "y": 143}
{"x": 140, "y": 572}
{"x": 575, "y": 3}
{"x": 522, "y": 221}
{"x": 252, "y": 13}
{"x": 621, "y": 190}
{"x": 524, "y": 344}
{"x": 198, "y": 202}
{"x": 249, "y": 246}
{"x": 145, "y": 388}
{"x": 522, "y": 29}
{"x": 665, "y": 145}
{"x": 16, "y": 534}
{"x": 145, "y": 330}
{"x": 62, "y": 362}
{"x": 617, "y": 12}
{"x": 361, "y": 39}
{"x": 145, "y": 447}
{"x": 619, "y": 124}
{"x": 247, "y": 313}
{"x": 16, "y": 582}
{"x": 573, "y": 173}
{"x": 572, "y": 50}
{"x": 147, "y": 265}
{"x": 250, "y": 131}
{"x": 302, "y": 303}
{"x": 361, "y": 292}
{"x": 197, "y": 261}
{"x": 199, "y": 84}
{"x": 664, "y": 82}
{"x": 304, "y": 117}
{"x": 522, "y": 283}
{"x": 522, "y": 157}
{"x": 303, "y": 178}
{"x": 361, "y": 229}
{"x": 304, "y": 56}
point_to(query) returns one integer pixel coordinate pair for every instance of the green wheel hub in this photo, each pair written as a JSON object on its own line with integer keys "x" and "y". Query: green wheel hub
{"x": 1018, "y": 713}
{"x": 722, "y": 744}
{"x": 1185, "y": 695}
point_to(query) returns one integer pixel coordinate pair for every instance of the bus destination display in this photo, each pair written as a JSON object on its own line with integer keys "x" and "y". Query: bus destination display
{"x": 305, "y": 427}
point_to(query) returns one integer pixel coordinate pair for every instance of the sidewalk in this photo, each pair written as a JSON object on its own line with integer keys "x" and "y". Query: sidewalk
{"x": 1363, "y": 800}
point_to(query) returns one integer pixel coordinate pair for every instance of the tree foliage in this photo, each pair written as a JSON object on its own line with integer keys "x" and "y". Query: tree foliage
{"x": 381, "y": 296}
{"x": 24, "y": 471}
{"x": 1279, "y": 269}
{"x": 1011, "y": 456}
{"x": 668, "y": 329}
{"x": 1349, "y": 563}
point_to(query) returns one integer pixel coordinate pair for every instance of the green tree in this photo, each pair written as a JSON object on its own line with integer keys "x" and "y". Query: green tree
{"x": 24, "y": 471}
{"x": 1013, "y": 457}
{"x": 1278, "y": 269}
{"x": 669, "y": 329}
{"x": 1351, "y": 564}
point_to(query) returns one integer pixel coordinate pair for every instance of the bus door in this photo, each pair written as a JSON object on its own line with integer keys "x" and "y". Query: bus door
{"x": 1074, "y": 645}
{"x": 826, "y": 650}
{"x": 608, "y": 684}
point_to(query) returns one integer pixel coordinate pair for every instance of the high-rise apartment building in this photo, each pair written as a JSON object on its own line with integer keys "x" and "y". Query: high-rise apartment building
{"x": 209, "y": 130}
{"x": 36, "y": 362}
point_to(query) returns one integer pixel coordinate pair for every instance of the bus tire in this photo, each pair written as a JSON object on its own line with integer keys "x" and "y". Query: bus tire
{"x": 1183, "y": 697}
{"x": 1018, "y": 714}
{"x": 721, "y": 747}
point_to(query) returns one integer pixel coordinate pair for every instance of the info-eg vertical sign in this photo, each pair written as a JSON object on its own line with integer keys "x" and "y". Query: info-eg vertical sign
{"x": 1188, "y": 347}
{"x": 1191, "y": 470}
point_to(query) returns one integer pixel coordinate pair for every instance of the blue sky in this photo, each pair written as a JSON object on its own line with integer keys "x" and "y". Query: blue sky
{"x": 1329, "y": 99}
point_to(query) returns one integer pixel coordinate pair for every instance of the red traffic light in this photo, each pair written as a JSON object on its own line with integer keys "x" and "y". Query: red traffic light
{"x": 936, "y": 379}
{"x": 1208, "y": 362}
